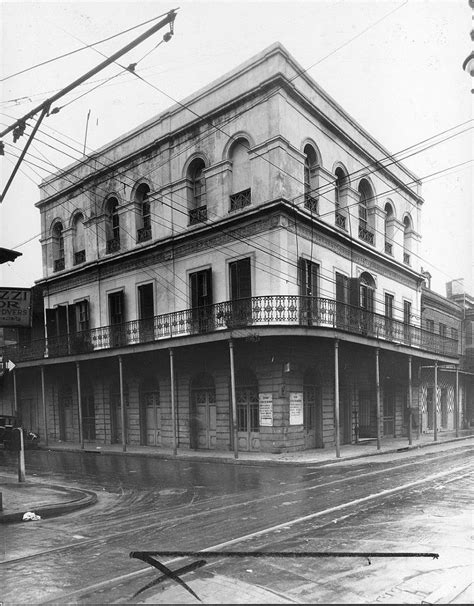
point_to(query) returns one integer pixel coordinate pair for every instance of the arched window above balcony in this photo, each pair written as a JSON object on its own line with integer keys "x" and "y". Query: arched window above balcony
{"x": 388, "y": 228}
{"x": 340, "y": 181}
{"x": 407, "y": 235}
{"x": 366, "y": 201}
{"x": 240, "y": 195}
{"x": 58, "y": 247}
{"x": 311, "y": 184}
{"x": 79, "y": 245}
{"x": 112, "y": 225}
{"x": 197, "y": 192}
{"x": 366, "y": 291}
{"x": 144, "y": 212}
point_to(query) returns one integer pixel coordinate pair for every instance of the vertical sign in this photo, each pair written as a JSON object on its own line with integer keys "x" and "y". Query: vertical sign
{"x": 296, "y": 408}
{"x": 265, "y": 407}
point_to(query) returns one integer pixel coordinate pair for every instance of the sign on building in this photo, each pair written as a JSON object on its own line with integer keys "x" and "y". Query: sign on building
{"x": 15, "y": 307}
{"x": 296, "y": 408}
{"x": 265, "y": 407}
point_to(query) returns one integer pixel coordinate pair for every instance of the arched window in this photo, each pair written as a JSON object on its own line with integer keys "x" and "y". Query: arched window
{"x": 366, "y": 200}
{"x": 407, "y": 229}
{"x": 310, "y": 178}
{"x": 388, "y": 228}
{"x": 79, "y": 240}
{"x": 113, "y": 226}
{"x": 197, "y": 194}
{"x": 341, "y": 180}
{"x": 58, "y": 247}
{"x": 144, "y": 213}
{"x": 240, "y": 195}
{"x": 366, "y": 291}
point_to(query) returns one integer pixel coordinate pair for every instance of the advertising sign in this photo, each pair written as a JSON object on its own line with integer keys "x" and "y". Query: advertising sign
{"x": 265, "y": 407}
{"x": 296, "y": 408}
{"x": 15, "y": 307}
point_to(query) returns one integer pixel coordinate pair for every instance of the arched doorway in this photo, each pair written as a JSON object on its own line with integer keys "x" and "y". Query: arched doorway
{"x": 312, "y": 410}
{"x": 66, "y": 432}
{"x": 248, "y": 427}
{"x": 150, "y": 412}
{"x": 203, "y": 412}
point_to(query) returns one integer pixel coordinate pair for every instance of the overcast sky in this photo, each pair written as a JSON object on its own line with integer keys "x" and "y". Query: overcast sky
{"x": 395, "y": 67}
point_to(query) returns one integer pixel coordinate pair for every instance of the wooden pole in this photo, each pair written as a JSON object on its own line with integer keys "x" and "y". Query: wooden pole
{"x": 15, "y": 394}
{"x": 173, "y": 402}
{"x": 377, "y": 391}
{"x": 234, "y": 400}
{"x": 21, "y": 457}
{"x": 435, "y": 403}
{"x": 79, "y": 404}
{"x": 410, "y": 403}
{"x": 336, "y": 398}
{"x": 122, "y": 405}
{"x": 45, "y": 415}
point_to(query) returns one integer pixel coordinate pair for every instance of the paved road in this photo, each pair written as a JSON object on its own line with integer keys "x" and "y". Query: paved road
{"x": 404, "y": 503}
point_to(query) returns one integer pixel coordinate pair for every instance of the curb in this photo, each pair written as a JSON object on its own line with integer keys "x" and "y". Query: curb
{"x": 250, "y": 462}
{"x": 85, "y": 499}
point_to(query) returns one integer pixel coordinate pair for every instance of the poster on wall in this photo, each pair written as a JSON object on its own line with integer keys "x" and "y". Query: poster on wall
{"x": 296, "y": 408}
{"x": 15, "y": 307}
{"x": 265, "y": 407}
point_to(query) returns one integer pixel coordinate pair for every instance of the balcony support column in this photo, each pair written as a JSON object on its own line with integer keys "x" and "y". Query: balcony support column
{"x": 15, "y": 395}
{"x": 122, "y": 405}
{"x": 336, "y": 398}
{"x": 377, "y": 392}
{"x": 43, "y": 401}
{"x": 410, "y": 403}
{"x": 173, "y": 402}
{"x": 233, "y": 400}
{"x": 456, "y": 404}
{"x": 435, "y": 402}
{"x": 79, "y": 405}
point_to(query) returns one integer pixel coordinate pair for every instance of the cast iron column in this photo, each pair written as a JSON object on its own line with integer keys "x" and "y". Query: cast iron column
{"x": 233, "y": 398}
{"x": 410, "y": 402}
{"x": 435, "y": 404}
{"x": 79, "y": 403}
{"x": 122, "y": 404}
{"x": 377, "y": 391}
{"x": 456, "y": 404}
{"x": 173, "y": 403}
{"x": 336, "y": 397}
{"x": 45, "y": 415}
{"x": 15, "y": 395}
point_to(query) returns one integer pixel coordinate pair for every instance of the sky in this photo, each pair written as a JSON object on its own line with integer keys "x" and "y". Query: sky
{"x": 395, "y": 67}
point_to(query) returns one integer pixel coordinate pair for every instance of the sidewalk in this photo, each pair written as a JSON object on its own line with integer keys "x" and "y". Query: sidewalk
{"x": 50, "y": 500}
{"x": 317, "y": 456}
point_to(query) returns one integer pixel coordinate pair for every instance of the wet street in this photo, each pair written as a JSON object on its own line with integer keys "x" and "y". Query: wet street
{"x": 417, "y": 502}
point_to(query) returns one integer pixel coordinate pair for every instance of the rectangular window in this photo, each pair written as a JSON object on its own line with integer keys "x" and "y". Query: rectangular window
{"x": 82, "y": 315}
{"x": 454, "y": 334}
{"x": 342, "y": 288}
{"x": 406, "y": 312}
{"x": 388, "y": 305}
{"x": 442, "y": 329}
{"x": 201, "y": 288}
{"x": 240, "y": 279}
{"x": 308, "y": 278}
{"x": 116, "y": 308}
{"x": 145, "y": 301}
{"x": 430, "y": 325}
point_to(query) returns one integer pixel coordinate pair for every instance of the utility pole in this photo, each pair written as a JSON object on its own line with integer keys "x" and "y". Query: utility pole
{"x": 18, "y": 127}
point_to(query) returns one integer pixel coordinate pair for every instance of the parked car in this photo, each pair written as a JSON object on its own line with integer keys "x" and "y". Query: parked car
{"x": 8, "y": 423}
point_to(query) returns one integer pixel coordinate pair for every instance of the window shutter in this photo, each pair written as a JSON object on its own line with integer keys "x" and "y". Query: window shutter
{"x": 354, "y": 284}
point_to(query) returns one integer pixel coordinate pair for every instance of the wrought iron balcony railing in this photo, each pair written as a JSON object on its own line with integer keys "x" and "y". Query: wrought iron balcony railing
{"x": 197, "y": 215}
{"x": 59, "y": 264}
{"x": 340, "y": 220}
{"x": 311, "y": 203}
{"x": 366, "y": 235}
{"x": 79, "y": 257}
{"x": 241, "y": 199}
{"x": 112, "y": 245}
{"x": 143, "y": 234}
{"x": 272, "y": 310}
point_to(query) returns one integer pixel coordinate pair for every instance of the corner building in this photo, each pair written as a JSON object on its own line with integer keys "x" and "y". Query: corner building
{"x": 239, "y": 271}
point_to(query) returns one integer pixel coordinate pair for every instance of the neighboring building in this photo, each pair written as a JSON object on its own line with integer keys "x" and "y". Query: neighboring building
{"x": 254, "y": 222}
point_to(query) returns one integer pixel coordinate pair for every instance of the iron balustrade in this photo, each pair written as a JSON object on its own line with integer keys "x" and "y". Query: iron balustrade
{"x": 143, "y": 234}
{"x": 241, "y": 199}
{"x": 112, "y": 245}
{"x": 366, "y": 235}
{"x": 197, "y": 215}
{"x": 59, "y": 264}
{"x": 311, "y": 203}
{"x": 340, "y": 220}
{"x": 270, "y": 310}
{"x": 79, "y": 257}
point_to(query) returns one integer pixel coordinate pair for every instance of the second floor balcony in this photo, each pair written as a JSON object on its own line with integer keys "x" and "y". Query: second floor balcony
{"x": 312, "y": 313}
{"x": 59, "y": 264}
{"x": 240, "y": 199}
{"x": 143, "y": 234}
{"x": 197, "y": 215}
{"x": 112, "y": 245}
{"x": 366, "y": 235}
